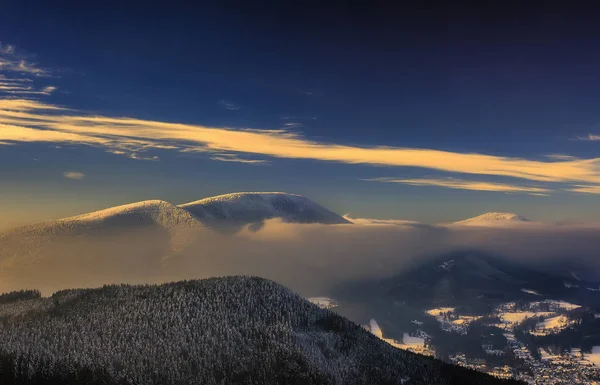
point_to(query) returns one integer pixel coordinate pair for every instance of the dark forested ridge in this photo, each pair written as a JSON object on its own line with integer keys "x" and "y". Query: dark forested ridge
{"x": 233, "y": 330}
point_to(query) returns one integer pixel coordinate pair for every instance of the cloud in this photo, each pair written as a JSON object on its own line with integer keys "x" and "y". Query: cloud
{"x": 22, "y": 90}
{"x": 229, "y": 105}
{"x": 464, "y": 185}
{"x": 585, "y": 189}
{"x": 34, "y": 121}
{"x": 13, "y": 61}
{"x": 310, "y": 258}
{"x": 292, "y": 125}
{"x": 74, "y": 175}
{"x": 138, "y": 156}
{"x": 561, "y": 157}
{"x": 233, "y": 158}
{"x": 589, "y": 137}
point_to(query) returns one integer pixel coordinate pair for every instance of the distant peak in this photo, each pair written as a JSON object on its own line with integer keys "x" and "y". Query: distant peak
{"x": 255, "y": 207}
{"x": 494, "y": 217}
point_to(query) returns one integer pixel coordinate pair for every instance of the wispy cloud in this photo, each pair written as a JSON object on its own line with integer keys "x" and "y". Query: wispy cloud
{"x": 22, "y": 90}
{"x": 229, "y": 105}
{"x": 34, "y": 121}
{"x": 561, "y": 157}
{"x": 465, "y": 185}
{"x": 292, "y": 125}
{"x": 233, "y": 158}
{"x": 589, "y": 137}
{"x": 74, "y": 175}
{"x": 13, "y": 61}
{"x": 585, "y": 189}
{"x": 138, "y": 156}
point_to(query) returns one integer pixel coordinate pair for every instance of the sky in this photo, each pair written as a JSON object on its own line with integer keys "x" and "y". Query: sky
{"x": 431, "y": 114}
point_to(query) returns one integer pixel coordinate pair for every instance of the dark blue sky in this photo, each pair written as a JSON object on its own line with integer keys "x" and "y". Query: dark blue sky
{"x": 510, "y": 82}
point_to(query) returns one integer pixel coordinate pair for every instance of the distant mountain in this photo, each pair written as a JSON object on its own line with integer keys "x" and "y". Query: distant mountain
{"x": 230, "y": 210}
{"x": 475, "y": 279}
{"x": 153, "y": 213}
{"x": 234, "y": 330}
{"x": 255, "y": 207}
{"x": 141, "y": 241}
{"x": 492, "y": 218}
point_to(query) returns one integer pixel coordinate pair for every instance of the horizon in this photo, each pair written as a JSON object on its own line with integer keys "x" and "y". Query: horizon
{"x": 347, "y": 215}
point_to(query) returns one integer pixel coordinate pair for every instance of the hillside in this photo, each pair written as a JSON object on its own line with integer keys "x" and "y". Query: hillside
{"x": 135, "y": 215}
{"x": 255, "y": 207}
{"x": 233, "y": 330}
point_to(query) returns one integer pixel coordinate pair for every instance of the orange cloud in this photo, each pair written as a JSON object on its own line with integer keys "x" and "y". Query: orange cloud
{"x": 33, "y": 121}
{"x": 466, "y": 185}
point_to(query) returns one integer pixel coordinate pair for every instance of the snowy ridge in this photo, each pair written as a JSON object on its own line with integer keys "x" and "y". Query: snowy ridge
{"x": 135, "y": 215}
{"x": 252, "y": 207}
{"x": 160, "y": 212}
{"x": 236, "y": 209}
{"x": 493, "y": 218}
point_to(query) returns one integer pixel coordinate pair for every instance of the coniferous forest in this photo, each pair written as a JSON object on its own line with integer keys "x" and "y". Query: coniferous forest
{"x": 233, "y": 330}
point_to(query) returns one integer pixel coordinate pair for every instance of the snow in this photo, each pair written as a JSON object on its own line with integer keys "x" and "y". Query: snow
{"x": 563, "y": 304}
{"x": 493, "y": 218}
{"x": 569, "y": 285}
{"x": 517, "y": 317}
{"x": 237, "y": 208}
{"x": 145, "y": 213}
{"x": 160, "y": 212}
{"x": 593, "y": 357}
{"x": 323, "y": 302}
{"x": 441, "y": 310}
{"x": 252, "y": 207}
{"x": 530, "y": 291}
{"x": 465, "y": 319}
{"x": 447, "y": 265}
{"x": 412, "y": 341}
{"x": 557, "y": 322}
{"x": 545, "y": 355}
{"x": 375, "y": 329}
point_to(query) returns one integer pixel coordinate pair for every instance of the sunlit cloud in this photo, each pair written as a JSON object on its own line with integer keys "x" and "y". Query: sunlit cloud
{"x": 74, "y": 175}
{"x": 465, "y": 185}
{"x": 34, "y": 121}
{"x": 585, "y": 189}
{"x": 22, "y": 90}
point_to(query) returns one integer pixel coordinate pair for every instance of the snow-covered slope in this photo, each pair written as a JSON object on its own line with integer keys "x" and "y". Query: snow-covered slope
{"x": 141, "y": 214}
{"x": 254, "y": 207}
{"x": 491, "y": 219}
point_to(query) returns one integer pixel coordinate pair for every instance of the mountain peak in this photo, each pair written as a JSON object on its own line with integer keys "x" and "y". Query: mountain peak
{"x": 253, "y": 207}
{"x": 494, "y": 218}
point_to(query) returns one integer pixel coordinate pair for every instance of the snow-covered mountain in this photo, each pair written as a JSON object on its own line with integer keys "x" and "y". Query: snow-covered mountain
{"x": 231, "y": 210}
{"x": 152, "y": 213}
{"x": 493, "y": 219}
{"x": 253, "y": 207}
{"x": 146, "y": 240}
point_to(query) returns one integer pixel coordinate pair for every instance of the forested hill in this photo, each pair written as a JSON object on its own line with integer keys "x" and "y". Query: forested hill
{"x": 233, "y": 330}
